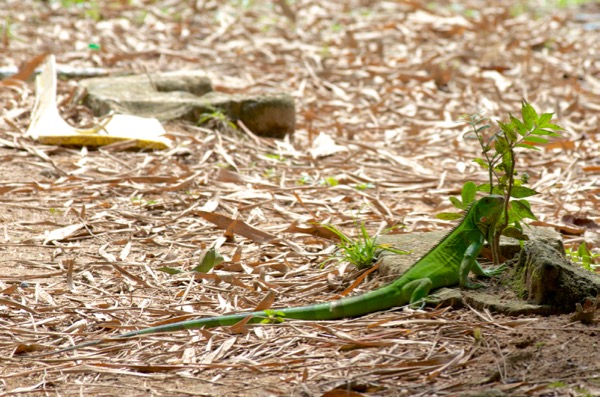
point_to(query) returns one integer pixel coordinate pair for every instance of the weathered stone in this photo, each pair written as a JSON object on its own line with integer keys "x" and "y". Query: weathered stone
{"x": 544, "y": 276}
{"x": 188, "y": 95}
{"x": 268, "y": 115}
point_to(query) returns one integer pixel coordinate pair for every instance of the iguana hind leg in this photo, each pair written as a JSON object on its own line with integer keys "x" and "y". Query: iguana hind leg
{"x": 416, "y": 291}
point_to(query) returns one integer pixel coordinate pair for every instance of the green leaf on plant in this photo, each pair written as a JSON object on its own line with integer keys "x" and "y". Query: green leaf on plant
{"x": 521, "y": 129}
{"x": 541, "y": 131}
{"x": 449, "y": 216}
{"x": 536, "y": 139}
{"x": 530, "y": 116}
{"x": 507, "y": 161}
{"x": 526, "y": 146}
{"x": 520, "y": 209}
{"x": 484, "y": 187}
{"x": 544, "y": 119}
{"x": 522, "y": 192}
{"x": 584, "y": 254}
{"x": 514, "y": 233}
{"x": 481, "y": 162}
{"x": 483, "y": 127}
{"x": 468, "y": 192}
{"x": 457, "y": 203}
{"x": 553, "y": 127}
{"x": 509, "y": 131}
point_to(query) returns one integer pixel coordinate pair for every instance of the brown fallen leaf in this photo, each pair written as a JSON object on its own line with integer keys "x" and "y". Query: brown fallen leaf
{"x": 236, "y": 226}
{"x": 26, "y": 70}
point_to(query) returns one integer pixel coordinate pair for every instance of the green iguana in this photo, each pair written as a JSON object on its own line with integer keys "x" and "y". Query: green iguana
{"x": 446, "y": 264}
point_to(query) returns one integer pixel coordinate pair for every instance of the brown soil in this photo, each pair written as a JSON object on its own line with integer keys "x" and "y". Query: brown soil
{"x": 384, "y": 80}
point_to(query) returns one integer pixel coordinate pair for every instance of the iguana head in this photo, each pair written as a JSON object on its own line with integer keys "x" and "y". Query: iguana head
{"x": 487, "y": 211}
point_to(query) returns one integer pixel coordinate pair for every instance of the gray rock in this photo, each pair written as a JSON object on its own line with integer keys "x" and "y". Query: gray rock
{"x": 188, "y": 95}
{"x": 543, "y": 276}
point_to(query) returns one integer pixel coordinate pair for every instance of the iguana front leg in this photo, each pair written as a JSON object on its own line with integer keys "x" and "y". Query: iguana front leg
{"x": 469, "y": 264}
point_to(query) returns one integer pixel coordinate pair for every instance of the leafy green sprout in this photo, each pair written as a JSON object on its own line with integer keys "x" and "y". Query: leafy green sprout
{"x": 329, "y": 181}
{"x": 273, "y": 317}
{"x": 498, "y": 158}
{"x": 208, "y": 260}
{"x": 584, "y": 257}
{"x": 270, "y": 173}
{"x": 304, "y": 180}
{"x": 557, "y": 384}
{"x": 217, "y": 118}
{"x": 275, "y": 156}
{"x": 140, "y": 201}
{"x": 361, "y": 251}
{"x": 364, "y": 186}
{"x": 55, "y": 212}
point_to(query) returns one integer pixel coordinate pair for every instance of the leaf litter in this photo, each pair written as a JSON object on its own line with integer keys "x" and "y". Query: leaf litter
{"x": 378, "y": 87}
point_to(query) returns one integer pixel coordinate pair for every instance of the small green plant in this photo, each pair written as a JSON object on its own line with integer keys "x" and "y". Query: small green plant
{"x": 361, "y": 251}
{"x": 498, "y": 159}
{"x": 330, "y": 181}
{"x": 217, "y": 119}
{"x": 208, "y": 260}
{"x": 364, "y": 186}
{"x": 7, "y": 31}
{"x": 557, "y": 384}
{"x": 55, "y": 212}
{"x": 304, "y": 180}
{"x": 270, "y": 173}
{"x": 540, "y": 345}
{"x": 138, "y": 200}
{"x": 273, "y": 317}
{"x": 583, "y": 257}
{"x": 275, "y": 156}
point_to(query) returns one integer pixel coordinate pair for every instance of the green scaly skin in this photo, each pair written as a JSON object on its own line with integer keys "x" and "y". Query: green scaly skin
{"x": 447, "y": 264}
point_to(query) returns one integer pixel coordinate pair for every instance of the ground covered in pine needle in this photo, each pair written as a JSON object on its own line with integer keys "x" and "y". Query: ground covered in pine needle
{"x": 378, "y": 86}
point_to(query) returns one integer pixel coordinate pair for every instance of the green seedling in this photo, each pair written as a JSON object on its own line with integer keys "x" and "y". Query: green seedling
{"x": 364, "y": 186}
{"x": 304, "y": 180}
{"x": 207, "y": 262}
{"x": 329, "y": 181}
{"x": 273, "y": 317}
{"x": 55, "y": 212}
{"x": 584, "y": 257}
{"x": 217, "y": 119}
{"x": 361, "y": 251}
{"x": 270, "y": 173}
{"x": 498, "y": 152}
{"x": 275, "y": 156}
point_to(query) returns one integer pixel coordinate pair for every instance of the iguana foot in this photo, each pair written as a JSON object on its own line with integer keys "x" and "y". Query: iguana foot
{"x": 494, "y": 271}
{"x": 469, "y": 285}
{"x": 418, "y": 305}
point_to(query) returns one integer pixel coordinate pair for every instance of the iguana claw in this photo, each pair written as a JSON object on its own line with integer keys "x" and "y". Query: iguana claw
{"x": 468, "y": 285}
{"x": 495, "y": 270}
